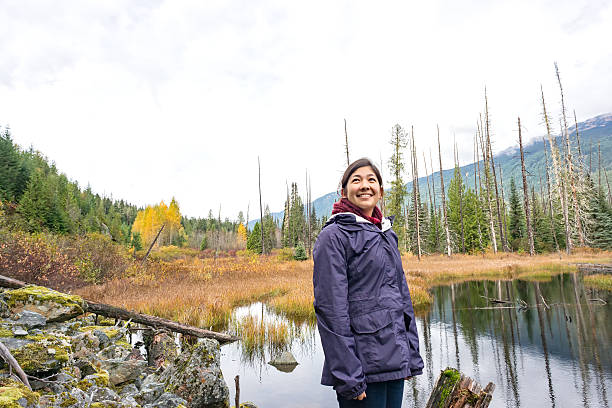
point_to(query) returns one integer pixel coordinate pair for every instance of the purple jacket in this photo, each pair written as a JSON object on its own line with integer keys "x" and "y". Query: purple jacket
{"x": 363, "y": 307}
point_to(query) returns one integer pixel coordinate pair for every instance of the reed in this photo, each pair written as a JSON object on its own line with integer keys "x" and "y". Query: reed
{"x": 203, "y": 292}
{"x": 598, "y": 281}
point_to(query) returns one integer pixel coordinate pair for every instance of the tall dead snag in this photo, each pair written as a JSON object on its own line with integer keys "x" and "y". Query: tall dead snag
{"x": 569, "y": 164}
{"x": 448, "y": 241}
{"x": 561, "y": 185}
{"x": 525, "y": 192}
{"x": 460, "y": 198}
{"x": 417, "y": 196}
{"x": 502, "y": 237}
{"x": 485, "y": 163}
{"x": 503, "y": 203}
{"x": 261, "y": 220}
{"x": 346, "y": 144}
{"x": 550, "y": 206}
{"x": 476, "y": 190}
{"x": 308, "y": 212}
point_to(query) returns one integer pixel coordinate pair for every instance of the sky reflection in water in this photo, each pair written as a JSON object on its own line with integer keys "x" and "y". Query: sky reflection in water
{"x": 537, "y": 357}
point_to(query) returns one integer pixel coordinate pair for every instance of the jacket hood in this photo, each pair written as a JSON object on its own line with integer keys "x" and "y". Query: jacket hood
{"x": 348, "y": 218}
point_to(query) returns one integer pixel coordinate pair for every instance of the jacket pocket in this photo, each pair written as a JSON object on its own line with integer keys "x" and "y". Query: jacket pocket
{"x": 377, "y": 343}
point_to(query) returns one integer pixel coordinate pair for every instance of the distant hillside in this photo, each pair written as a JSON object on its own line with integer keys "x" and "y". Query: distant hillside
{"x": 592, "y": 131}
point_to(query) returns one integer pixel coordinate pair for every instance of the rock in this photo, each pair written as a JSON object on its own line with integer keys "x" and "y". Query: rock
{"x": 286, "y": 362}
{"x": 129, "y": 389}
{"x": 99, "y": 379}
{"x": 52, "y": 305}
{"x": 19, "y": 332}
{"x": 168, "y": 400}
{"x": 15, "y": 394}
{"x": 31, "y": 320}
{"x": 149, "y": 393}
{"x": 102, "y": 394}
{"x": 162, "y": 350}
{"x": 105, "y": 334}
{"x": 85, "y": 344}
{"x": 247, "y": 404}
{"x": 121, "y": 371}
{"x": 195, "y": 376}
{"x": 102, "y": 337}
{"x": 46, "y": 353}
{"x": 286, "y": 358}
{"x": 115, "y": 351}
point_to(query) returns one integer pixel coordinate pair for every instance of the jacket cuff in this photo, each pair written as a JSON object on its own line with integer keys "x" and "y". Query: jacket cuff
{"x": 415, "y": 372}
{"x": 354, "y": 392}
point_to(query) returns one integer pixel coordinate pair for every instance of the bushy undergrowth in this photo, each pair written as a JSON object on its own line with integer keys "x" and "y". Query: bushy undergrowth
{"x": 61, "y": 261}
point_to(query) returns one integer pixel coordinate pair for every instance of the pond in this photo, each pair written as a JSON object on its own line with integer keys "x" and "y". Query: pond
{"x": 556, "y": 355}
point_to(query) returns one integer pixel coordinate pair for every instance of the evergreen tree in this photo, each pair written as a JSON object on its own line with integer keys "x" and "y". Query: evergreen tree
{"x": 35, "y": 204}
{"x": 543, "y": 240}
{"x": 516, "y": 221}
{"x": 601, "y": 221}
{"x": 137, "y": 241}
{"x": 395, "y": 198}
{"x": 300, "y": 252}
{"x": 269, "y": 230}
{"x": 456, "y": 224}
{"x": 13, "y": 174}
{"x": 254, "y": 241}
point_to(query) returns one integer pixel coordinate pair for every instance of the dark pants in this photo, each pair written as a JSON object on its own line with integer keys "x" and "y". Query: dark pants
{"x": 387, "y": 394}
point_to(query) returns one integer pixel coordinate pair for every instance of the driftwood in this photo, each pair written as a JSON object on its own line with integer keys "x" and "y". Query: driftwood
{"x": 455, "y": 390}
{"x": 599, "y": 268}
{"x": 148, "y": 320}
{"x": 10, "y": 360}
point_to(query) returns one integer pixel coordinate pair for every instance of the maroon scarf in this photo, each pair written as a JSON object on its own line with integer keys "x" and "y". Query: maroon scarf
{"x": 344, "y": 205}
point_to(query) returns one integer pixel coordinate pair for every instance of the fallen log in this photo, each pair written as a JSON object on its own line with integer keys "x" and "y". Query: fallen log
{"x": 148, "y": 320}
{"x": 456, "y": 390}
{"x": 599, "y": 268}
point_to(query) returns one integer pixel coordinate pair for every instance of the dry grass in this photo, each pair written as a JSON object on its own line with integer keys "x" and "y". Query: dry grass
{"x": 598, "y": 281}
{"x": 203, "y": 292}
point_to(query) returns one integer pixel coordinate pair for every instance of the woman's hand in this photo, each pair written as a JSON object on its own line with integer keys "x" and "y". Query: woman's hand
{"x": 360, "y": 396}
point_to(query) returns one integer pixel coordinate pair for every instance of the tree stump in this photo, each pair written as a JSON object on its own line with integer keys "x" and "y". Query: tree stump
{"x": 456, "y": 390}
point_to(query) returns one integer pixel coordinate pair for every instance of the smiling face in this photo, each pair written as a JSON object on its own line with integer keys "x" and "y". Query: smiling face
{"x": 363, "y": 189}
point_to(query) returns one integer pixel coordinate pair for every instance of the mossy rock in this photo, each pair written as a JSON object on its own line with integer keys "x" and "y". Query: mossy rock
{"x": 48, "y": 353}
{"x": 13, "y": 394}
{"x": 101, "y": 379}
{"x": 54, "y": 306}
{"x": 114, "y": 333}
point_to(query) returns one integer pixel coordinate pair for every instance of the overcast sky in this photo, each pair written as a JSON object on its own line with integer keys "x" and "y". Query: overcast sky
{"x": 145, "y": 100}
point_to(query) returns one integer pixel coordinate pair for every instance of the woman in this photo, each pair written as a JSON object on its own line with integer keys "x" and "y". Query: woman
{"x": 363, "y": 307}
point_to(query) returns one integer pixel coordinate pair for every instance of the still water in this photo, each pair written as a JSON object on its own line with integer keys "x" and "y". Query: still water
{"x": 557, "y": 354}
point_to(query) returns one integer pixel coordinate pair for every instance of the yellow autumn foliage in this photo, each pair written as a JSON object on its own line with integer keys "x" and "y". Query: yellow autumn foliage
{"x": 149, "y": 221}
{"x": 242, "y": 233}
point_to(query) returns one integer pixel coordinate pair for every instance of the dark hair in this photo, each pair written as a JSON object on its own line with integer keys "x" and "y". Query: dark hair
{"x": 357, "y": 164}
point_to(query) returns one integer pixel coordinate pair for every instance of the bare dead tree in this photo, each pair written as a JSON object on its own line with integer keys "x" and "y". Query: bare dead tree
{"x": 263, "y": 244}
{"x": 346, "y": 144}
{"x": 561, "y": 185}
{"x": 428, "y": 185}
{"x": 525, "y": 193}
{"x": 417, "y": 198}
{"x": 503, "y": 203}
{"x": 550, "y": 206}
{"x": 477, "y": 176}
{"x": 569, "y": 163}
{"x": 502, "y": 237}
{"x": 460, "y": 196}
{"x": 433, "y": 181}
{"x": 488, "y": 188}
{"x": 448, "y": 241}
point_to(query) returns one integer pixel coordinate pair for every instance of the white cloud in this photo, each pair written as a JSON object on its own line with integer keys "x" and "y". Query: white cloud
{"x": 147, "y": 100}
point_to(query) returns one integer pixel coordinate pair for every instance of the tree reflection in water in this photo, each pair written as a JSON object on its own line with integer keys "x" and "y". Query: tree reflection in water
{"x": 554, "y": 353}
